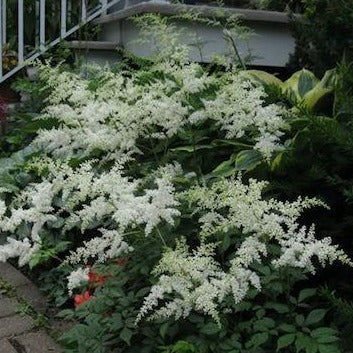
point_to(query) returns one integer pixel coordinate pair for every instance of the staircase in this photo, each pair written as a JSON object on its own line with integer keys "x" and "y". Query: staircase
{"x": 21, "y": 18}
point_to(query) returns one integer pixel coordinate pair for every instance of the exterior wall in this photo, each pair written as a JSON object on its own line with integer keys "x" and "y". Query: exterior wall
{"x": 271, "y": 44}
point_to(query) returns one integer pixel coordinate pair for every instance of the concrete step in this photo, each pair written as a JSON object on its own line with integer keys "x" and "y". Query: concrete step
{"x": 93, "y": 45}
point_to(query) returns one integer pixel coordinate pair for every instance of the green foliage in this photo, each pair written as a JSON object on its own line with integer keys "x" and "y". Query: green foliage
{"x": 284, "y": 5}
{"x": 303, "y": 88}
{"x": 275, "y": 320}
{"x": 323, "y": 35}
{"x": 180, "y": 347}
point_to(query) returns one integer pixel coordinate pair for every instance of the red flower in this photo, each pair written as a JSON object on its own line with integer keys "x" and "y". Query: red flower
{"x": 121, "y": 262}
{"x": 95, "y": 278}
{"x": 82, "y": 298}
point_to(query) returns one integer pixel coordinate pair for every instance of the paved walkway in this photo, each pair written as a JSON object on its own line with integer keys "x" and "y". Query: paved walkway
{"x": 19, "y": 333}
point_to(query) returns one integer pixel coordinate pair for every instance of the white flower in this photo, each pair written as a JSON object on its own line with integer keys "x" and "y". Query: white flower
{"x": 194, "y": 280}
{"x": 77, "y": 278}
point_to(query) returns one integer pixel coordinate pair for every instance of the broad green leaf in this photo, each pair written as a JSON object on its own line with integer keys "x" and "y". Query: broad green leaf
{"x": 183, "y": 347}
{"x": 264, "y": 77}
{"x": 264, "y": 324}
{"x": 285, "y": 340}
{"x": 323, "y": 348}
{"x": 248, "y": 160}
{"x": 280, "y": 308}
{"x": 258, "y": 339}
{"x": 329, "y": 79}
{"x": 230, "y": 143}
{"x": 276, "y": 162}
{"x": 191, "y": 149}
{"x": 305, "y": 343}
{"x": 307, "y": 81}
{"x": 300, "y": 83}
{"x": 323, "y": 331}
{"x": 225, "y": 242}
{"x": 299, "y": 319}
{"x": 306, "y": 293}
{"x": 287, "y": 328}
{"x": 315, "y": 316}
{"x": 226, "y": 168}
{"x": 66, "y": 314}
{"x": 301, "y": 342}
{"x": 313, "y": 98}
{"x": 210, "y": 329}
{"x": 163, "y": 329}
{"x": 126, "y": 335}
{"x": 327, "y": 339}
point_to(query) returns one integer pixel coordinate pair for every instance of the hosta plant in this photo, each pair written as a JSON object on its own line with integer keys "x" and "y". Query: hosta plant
{"x": 303, "y": 88}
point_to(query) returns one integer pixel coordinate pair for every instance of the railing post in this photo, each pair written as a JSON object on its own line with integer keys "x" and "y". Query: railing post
{"x": 83, "y": 10}
{"x": 20, "y": 33}
{"x": 63, "y": 17}
{"x": 1, "y": 36}
{"x": 42, "y": 25}
{"x": 104, "y": 3}
{"x": 3, "y": 20}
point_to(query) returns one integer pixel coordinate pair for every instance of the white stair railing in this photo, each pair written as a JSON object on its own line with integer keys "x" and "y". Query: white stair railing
{"x": 19, "y": 56}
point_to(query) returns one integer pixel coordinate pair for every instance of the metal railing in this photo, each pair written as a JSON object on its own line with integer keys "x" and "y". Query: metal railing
{"x": 18, "y": 53}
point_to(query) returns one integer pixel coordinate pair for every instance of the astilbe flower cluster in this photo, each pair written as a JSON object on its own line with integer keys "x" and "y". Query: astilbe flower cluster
{"x": 194, "y": 280}
{"x": 86, "y": 198}
{"x": 126, "y": 111}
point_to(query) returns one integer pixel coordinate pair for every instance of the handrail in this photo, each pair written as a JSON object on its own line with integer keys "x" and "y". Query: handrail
{"x": 41, "y": 44}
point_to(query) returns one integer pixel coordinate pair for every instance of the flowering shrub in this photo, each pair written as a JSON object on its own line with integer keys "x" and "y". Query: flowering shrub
{"x": 144, "y": 166}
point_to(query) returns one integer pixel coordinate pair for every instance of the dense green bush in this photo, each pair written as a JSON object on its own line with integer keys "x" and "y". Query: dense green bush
{"x": 323, "y": 35}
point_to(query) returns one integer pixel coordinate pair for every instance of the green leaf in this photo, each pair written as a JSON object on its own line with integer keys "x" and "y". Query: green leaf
{"x": 300, "y": 83}
{"x": 226, "y": 241}
{"x": 210, "y": 329}
{"x": 66, "y": 314}
{"x": 285, "y": 341}
{"x": 276, "y": 162}
{"x": 313, "y": 98}
{"x": 248, "y": 160}
{"x": 280, "y": 308}
{"x": 315, "y": 316}
{"x": 163, "y": 329}
{"x": 301, "y": 342}
{"x": 258, "y": 339}
{"x": 323, "y": 348}
{"x": 264, "y": 324}
{"x": 306, "y": 293}
{"x": 299, "y": 319}
{"x": 183, "y": 347}
{"x": 287, "y": 328}
{"x": 126, "y": 335}
{"x": 191, "y": 148}
{"x": 264, "y": 77}
{"x": 329, "y": 79}
{"x": 323, "y": 331}
{"x": 327, "y": 339}
{"x": 307, "y": 81}
{"x": 230, "y": 143}
{"x": 226, "y": 168}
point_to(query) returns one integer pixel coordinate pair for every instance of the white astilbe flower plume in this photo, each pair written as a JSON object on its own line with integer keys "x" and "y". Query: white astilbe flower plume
{"x": 196, "y": 281}
{"x": 122, "y": 111}
{"x": 77, "y": 278}
{"x": 87, "y": 198}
